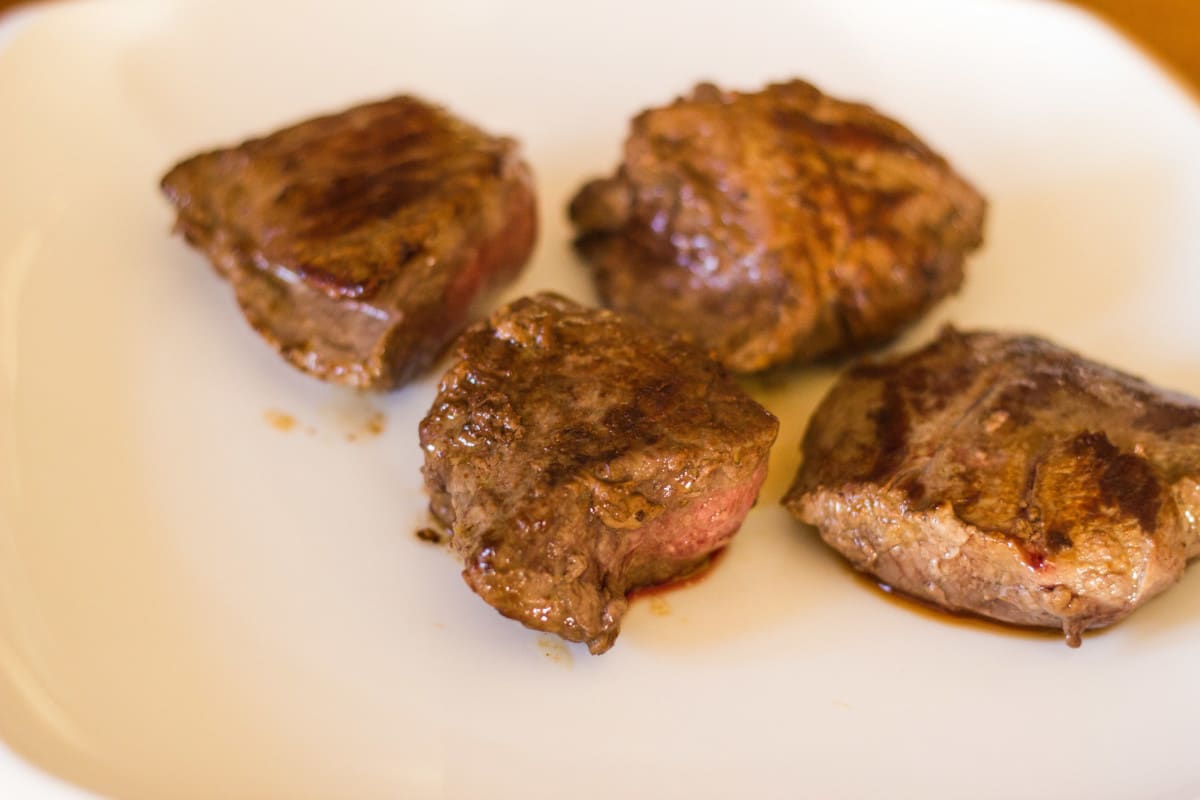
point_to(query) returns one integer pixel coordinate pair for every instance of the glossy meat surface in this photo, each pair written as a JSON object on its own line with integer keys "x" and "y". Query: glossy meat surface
{"x": 577, "y": 456}
{"x": 776, "y": 226}
{"x": 1006, "y": 476}
{"x": 356, "y": 243}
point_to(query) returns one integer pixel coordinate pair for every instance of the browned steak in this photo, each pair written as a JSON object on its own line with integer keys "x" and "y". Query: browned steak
{"x": 776, "y": 226}
{"x": 576, "y": 456}
{"x": 1006, "y": 476}
{"x": 356, "y": 243}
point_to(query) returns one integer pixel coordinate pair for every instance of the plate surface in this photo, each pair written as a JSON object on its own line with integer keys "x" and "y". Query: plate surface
{"x": 196, "y": 602}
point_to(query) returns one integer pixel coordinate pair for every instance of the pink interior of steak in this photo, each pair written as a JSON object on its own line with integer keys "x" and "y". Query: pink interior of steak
{"x": 696, "y": 530}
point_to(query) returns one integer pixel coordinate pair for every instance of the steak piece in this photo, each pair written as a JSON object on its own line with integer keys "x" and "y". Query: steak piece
{"x": 776, "y": 226}
{"x": 577, "y": 455}
{"x": 356, "y": 243}
{"x": 1008, "y": 477}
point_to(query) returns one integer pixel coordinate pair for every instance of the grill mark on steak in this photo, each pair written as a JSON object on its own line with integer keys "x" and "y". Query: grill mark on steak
{"x": 357, "y": 243}
{"x": 625, "y": 421}
{"x": 636, "y": 458}
{"x": 852, "y": 136}
{"x": 1058, "y": 541}
{"x": 891, "y": 432}
{"x": 340, "y": 203}
{"x": 1028, "y": 509}
{"x": 1126, "y": 480}
{"x": 1032, "y": 485}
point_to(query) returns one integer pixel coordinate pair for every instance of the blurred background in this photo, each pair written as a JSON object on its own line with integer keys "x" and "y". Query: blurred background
{"x": 1169, "y": 30}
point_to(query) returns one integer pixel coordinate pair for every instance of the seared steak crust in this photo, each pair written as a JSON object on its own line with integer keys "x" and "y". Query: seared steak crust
{"x": 357, "y": 242}
{"x": 776, "y": 226}
{"x": 576, "y": 456}
{"x": 1006, "y": 476}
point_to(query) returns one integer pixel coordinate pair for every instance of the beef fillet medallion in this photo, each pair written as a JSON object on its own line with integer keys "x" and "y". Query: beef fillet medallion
{"x": 576, "y": 456}
{"x": 776, "y": 226}
{"x": 357, "y": 243}
{"x": 1006, "y": 476}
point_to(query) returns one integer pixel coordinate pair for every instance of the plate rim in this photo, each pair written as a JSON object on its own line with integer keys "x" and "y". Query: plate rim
{"x": 29, "y": 779}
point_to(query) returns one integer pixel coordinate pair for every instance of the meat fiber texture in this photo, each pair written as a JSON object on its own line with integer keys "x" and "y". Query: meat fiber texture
{"x": 576, "y": 456}
{"x": 776, "y": 226}
{"x": 357, "y": 243}
{"x": 1006, "y": 476}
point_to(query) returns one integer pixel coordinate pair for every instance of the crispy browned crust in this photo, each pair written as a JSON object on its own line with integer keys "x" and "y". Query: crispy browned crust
{"x": 1006, "y": 476}
{"x": 577, "y": 455}
{"x": 356, "y": 242}
{"x": 776, "y": 226}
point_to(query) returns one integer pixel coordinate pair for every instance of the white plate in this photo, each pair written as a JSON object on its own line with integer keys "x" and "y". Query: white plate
{"x": 196, "y": 604}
